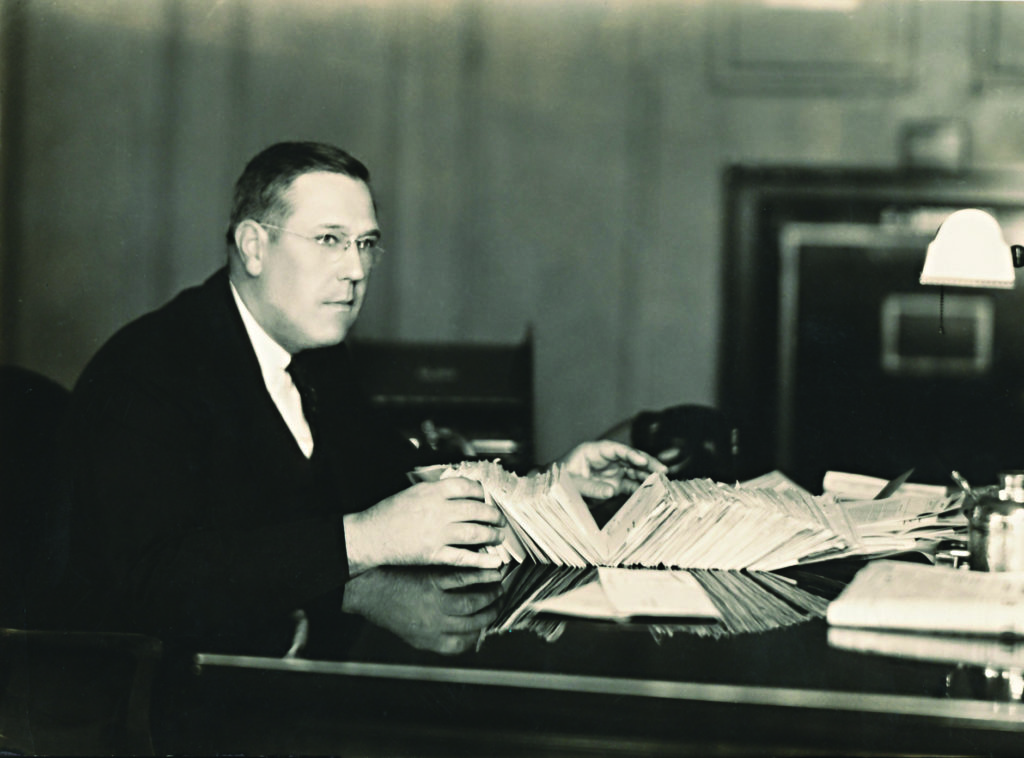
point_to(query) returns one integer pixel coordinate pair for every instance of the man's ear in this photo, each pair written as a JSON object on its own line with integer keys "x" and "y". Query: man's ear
{"x": 250, "y": 243}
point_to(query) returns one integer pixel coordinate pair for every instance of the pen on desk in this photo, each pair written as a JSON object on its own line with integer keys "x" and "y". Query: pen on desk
{"x": 962, "y": 484}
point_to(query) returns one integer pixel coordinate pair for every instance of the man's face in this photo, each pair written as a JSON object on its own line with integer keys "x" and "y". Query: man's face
{"x": 309, "y": 294}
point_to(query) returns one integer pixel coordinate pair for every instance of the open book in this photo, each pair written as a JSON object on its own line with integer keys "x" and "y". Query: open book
{"x": 673, "y": 524}
{"x": 916, "y": 597}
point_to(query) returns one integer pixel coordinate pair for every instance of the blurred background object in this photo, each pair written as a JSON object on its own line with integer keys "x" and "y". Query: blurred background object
{"x": 566, "y": 165}
{"x": 455, "y": 402}
{"x": 694, "y": 441}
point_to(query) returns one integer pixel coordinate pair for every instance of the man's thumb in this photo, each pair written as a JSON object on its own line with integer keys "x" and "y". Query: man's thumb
{"x": 594, "y": 488}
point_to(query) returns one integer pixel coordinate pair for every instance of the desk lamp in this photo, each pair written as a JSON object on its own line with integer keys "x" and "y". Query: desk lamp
{"x": 969, "y": 251}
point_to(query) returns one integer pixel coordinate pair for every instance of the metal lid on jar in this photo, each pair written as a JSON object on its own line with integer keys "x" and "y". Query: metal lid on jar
{"x": 1011, "y": 486}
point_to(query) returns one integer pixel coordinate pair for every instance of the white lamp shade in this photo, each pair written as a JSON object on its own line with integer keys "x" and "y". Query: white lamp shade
{"x": 969, "y": 251}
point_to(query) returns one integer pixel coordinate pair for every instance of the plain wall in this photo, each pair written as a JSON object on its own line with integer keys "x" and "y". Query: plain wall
{"x": 547, "y": 165}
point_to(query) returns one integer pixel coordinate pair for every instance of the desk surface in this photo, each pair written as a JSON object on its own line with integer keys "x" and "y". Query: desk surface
{"x": 611, "y": 688}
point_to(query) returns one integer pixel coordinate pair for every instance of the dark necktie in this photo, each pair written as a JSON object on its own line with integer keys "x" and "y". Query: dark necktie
{"x": 301, "y": 374}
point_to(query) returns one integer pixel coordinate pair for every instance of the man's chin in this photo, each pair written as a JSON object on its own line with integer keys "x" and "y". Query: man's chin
{"x": 334, "y": 336}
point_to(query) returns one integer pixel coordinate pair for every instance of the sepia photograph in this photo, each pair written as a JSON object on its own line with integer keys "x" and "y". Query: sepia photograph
{"x": 512, "y": 377}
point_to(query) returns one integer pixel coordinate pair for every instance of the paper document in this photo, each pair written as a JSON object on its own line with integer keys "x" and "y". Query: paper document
{"x": 588, "y": 601}
{"x": 695, "y": 523}
{"x": 902, "y": 523}
{"x": 762, "y": 525}
{"x": 913, "y": 596}
{"x": 773, "y": 480}
{"x": 634, "y": 593}
{"x": 646, "y": 592}
{"x": 860, "y": 487}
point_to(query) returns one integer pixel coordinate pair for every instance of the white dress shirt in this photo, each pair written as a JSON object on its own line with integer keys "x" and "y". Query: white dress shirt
{"x": 274, "y": 361}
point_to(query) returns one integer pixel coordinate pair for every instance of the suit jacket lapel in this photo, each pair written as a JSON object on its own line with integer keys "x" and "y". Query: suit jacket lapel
{"x": 243, "y": 396}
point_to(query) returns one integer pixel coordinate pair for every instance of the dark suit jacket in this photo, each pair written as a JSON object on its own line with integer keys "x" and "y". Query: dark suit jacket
{"x": 195, "y": 514}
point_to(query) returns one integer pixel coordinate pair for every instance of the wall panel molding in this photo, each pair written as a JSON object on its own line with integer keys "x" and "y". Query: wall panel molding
{"x": 996, "y": 55}
{"x": 759, "y": 48}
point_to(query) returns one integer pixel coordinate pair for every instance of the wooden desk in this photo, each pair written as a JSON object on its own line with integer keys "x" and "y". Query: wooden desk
{"x": 601, "y": 688}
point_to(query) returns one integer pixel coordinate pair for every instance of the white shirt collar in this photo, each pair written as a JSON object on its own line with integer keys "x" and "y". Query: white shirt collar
{"x": 273, "y": 358}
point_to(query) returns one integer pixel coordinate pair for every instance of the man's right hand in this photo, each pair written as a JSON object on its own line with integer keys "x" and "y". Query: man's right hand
{"x": 443, "y": 610}
{"x": 440, "y": 523}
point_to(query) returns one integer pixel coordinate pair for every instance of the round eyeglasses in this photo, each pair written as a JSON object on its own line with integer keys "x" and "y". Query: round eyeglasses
{"x": 369, "y": 248}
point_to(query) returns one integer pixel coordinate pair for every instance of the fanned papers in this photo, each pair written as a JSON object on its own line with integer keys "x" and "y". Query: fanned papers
{"x": 737, "y": 601}
{"x": 538, "y": 598}
{"x": 548, "y": 520}
{"x": 634, "y": 593}
{"x": 707, "y": 603}
{"x": 916, "y": 517}
{"x": 704, "y": 524}
{"x": 669, "y": 524}
{"x": 753, "y": 602}
{"x": 525, "y": 583}
{"x": 898, "y": 595}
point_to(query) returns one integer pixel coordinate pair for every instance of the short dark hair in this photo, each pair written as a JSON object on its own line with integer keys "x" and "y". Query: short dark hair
{"x": 260, "y": 190}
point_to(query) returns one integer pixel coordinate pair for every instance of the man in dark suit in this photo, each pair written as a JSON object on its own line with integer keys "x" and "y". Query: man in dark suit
{"x": 225, "y": 471}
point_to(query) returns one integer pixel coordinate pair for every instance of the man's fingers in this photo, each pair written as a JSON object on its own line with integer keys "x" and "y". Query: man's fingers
{"x": 639, "y": 475}
{"x": 608, "y": 453}
{"x": 457, "y": 556}
{"x": 642, "y": 460}
{"x": 474, "y": 510}
{"x": 594, "y": 488}
{"x": 670, "y": 455}
{"x": 629, "y": 486}
{"x": 467, "y": 605}
{"x": 453, "y": 644}
{"x": 450, "y": 579}
{"x": 470, "y": 534}
{"x": 459, "y": 488}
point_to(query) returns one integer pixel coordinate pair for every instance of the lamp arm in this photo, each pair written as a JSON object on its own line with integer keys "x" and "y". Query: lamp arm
{"x": 1017, "y": 251}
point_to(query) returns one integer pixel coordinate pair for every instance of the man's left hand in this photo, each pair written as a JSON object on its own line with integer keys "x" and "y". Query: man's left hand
{"x": 604, "y": 468}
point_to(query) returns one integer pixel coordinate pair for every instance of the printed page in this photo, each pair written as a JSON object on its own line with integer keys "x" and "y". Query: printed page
{"x": 861, "y": 487}
{"x": 656, "y": 592}
{"x": 890, "y": 510}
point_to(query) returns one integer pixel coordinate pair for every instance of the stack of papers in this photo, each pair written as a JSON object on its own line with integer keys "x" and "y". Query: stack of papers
{"x": 915, "y": 518}
{"x": 527, "y": 583}
{"x": 538, "y": 598}
{"x": 548, "y": 520}
{"x": 759, "y": 601}
{"x": 761, "y": 525}
{"x": 622, "y": 594}
{"x": 736, "y": 601}
{"x": 703, "y": 524}
{"x": 672, "y": 524}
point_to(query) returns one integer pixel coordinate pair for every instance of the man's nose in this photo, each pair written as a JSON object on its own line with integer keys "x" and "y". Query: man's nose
{"x": 351, "y": 265}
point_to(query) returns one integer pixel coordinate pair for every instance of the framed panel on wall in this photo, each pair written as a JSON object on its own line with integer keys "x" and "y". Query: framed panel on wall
{"x": 996, "y": 55}
{"x": 824, "y": 46}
